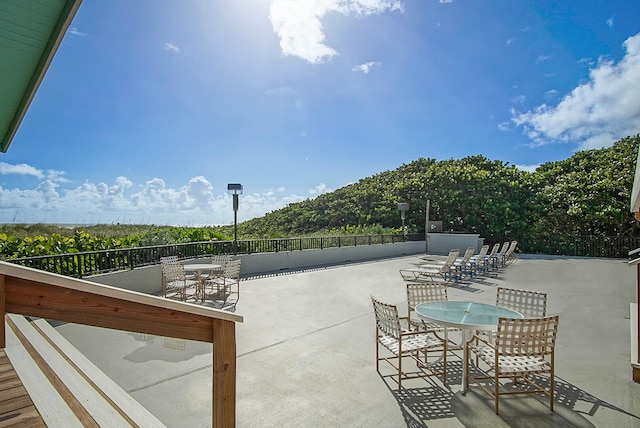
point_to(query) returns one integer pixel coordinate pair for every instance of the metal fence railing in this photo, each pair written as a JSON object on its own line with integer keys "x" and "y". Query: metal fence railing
{"x": 84, "y": 264}
{"x": 577, "y": 245}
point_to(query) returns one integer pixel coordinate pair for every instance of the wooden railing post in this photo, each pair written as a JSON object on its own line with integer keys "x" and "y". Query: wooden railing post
{"x": 224, "y": 374}
{"x": 3, "y": 342}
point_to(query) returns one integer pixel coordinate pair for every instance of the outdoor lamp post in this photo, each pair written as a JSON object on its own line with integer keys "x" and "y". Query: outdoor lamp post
{"x": 403, "y": 207}
{"x": 235, "y": 189}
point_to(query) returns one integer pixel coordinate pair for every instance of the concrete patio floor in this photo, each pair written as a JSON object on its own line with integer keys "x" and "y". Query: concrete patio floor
{"x": 306, "y": 353}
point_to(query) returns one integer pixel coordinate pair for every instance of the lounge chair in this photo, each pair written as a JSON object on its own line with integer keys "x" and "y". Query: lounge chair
{"x": 476, "y": 262}
{"x": 499, "y": 259}
{"x": 511, "y": 256}
{"x": 428, "y": 272}
{"x": 488, "y": 261}
{"x": 462, "y": 267}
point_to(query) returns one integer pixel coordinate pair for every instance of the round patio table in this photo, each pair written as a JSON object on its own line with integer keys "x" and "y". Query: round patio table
{"x": 467, "y": 316}
{"x": 199, "y": 268}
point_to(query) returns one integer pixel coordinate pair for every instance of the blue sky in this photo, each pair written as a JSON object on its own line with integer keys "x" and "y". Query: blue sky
{"x": 151, "y": 107}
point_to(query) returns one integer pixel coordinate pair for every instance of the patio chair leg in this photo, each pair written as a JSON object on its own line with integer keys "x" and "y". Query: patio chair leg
{"x": 497, "y": 389}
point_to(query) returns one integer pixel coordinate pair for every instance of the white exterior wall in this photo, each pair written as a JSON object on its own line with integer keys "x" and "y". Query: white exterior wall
{"x": 441, "y": 243}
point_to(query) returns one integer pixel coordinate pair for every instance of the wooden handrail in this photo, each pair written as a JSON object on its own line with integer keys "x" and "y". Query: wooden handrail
{"x": 32, "y": 292}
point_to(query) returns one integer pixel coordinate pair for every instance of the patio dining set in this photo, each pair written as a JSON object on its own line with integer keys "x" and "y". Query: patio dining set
{"x": 217, "y": 282}
{"x": 506, "y": 348}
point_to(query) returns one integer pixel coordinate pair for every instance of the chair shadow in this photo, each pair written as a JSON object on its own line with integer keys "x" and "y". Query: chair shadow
{"x": 421, "y": 405}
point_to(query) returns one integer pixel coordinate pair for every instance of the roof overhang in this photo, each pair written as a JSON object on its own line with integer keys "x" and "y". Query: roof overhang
{"x": 635, "y": 192}
{"x": 30, "y": 33}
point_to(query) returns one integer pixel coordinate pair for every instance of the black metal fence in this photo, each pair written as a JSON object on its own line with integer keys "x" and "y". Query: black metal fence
{"x": 90, "y": 263}
{"x": 83, "y": 264}
{"x": 580, "y": 245}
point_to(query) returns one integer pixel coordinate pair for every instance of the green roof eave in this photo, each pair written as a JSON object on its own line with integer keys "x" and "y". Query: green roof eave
{"x": 30, "y": 33}
{"x": 635, "y": 192}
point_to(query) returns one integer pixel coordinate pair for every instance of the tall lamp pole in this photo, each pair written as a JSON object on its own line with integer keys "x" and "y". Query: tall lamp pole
{"x": 403, "y": 207}
{"x": 235, "y": 189}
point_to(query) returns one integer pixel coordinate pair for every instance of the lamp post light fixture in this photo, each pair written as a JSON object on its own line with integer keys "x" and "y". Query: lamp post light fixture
{"x": 235, "y": 189}
{"x": 403, "y": 207}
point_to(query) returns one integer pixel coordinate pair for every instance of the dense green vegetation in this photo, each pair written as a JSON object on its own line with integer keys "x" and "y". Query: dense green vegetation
{"x": 41, "y": 239}
{"x": 587, "y": 194}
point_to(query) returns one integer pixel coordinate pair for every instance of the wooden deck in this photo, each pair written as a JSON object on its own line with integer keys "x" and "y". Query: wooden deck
{"x": 16, "y": 407}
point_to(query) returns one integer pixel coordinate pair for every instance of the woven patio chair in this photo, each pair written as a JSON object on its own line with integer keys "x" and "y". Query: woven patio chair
{"x": 169, "y": 259}
{"x": 217, "y": 259}
{"x": 224, "y": 289}
{"x": 424, "y": 292}
{"x": 523, "y": 347}
{"x": 418, "y": 293}
{"x": 175, "y": 283}
{"x": 393, "y": 334}
{"x": 531, "y": 304}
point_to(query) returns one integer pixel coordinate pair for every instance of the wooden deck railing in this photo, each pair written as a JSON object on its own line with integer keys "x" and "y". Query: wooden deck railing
{"x": 32, "y": 292}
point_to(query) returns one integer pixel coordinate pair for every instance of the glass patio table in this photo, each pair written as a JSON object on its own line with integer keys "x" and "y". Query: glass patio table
{"x": 467, "y": 316}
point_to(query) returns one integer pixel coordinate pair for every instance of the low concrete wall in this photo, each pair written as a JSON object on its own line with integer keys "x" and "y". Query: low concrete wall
{"x": 149, "y": 279}
{"x": 291, "y": 260}
{"x": 146, "y": 279}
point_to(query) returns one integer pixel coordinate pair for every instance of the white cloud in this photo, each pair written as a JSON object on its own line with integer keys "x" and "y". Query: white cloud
{"x": 528, "y": 168}
{"x": 596, "y": 113}
{"x": 446, "y": 1}
{"x": 542, "y": 58}
{"x": 320, "y": 189}
{"x": 366, "y": 67}
{"x": 20, "y": 169}
{"x": 504, "y": 126}
{"x": 171, "y": 48}
{"x": 194, "y": 204}
{"x": 511, "y": 40}
{"x": 75, "y": 32}
{"x": 281, "y": 91}
{"x": 519, "y": 99}
{"x": 298, "y": 23}
{"x": 610, "y": 22}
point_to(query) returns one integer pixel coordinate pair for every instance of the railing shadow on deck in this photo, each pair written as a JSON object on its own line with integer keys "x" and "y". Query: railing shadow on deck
{"x": 35, "y": 293}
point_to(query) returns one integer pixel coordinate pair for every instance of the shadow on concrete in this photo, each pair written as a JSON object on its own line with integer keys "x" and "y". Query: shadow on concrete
{"x": 435, "y": 401}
